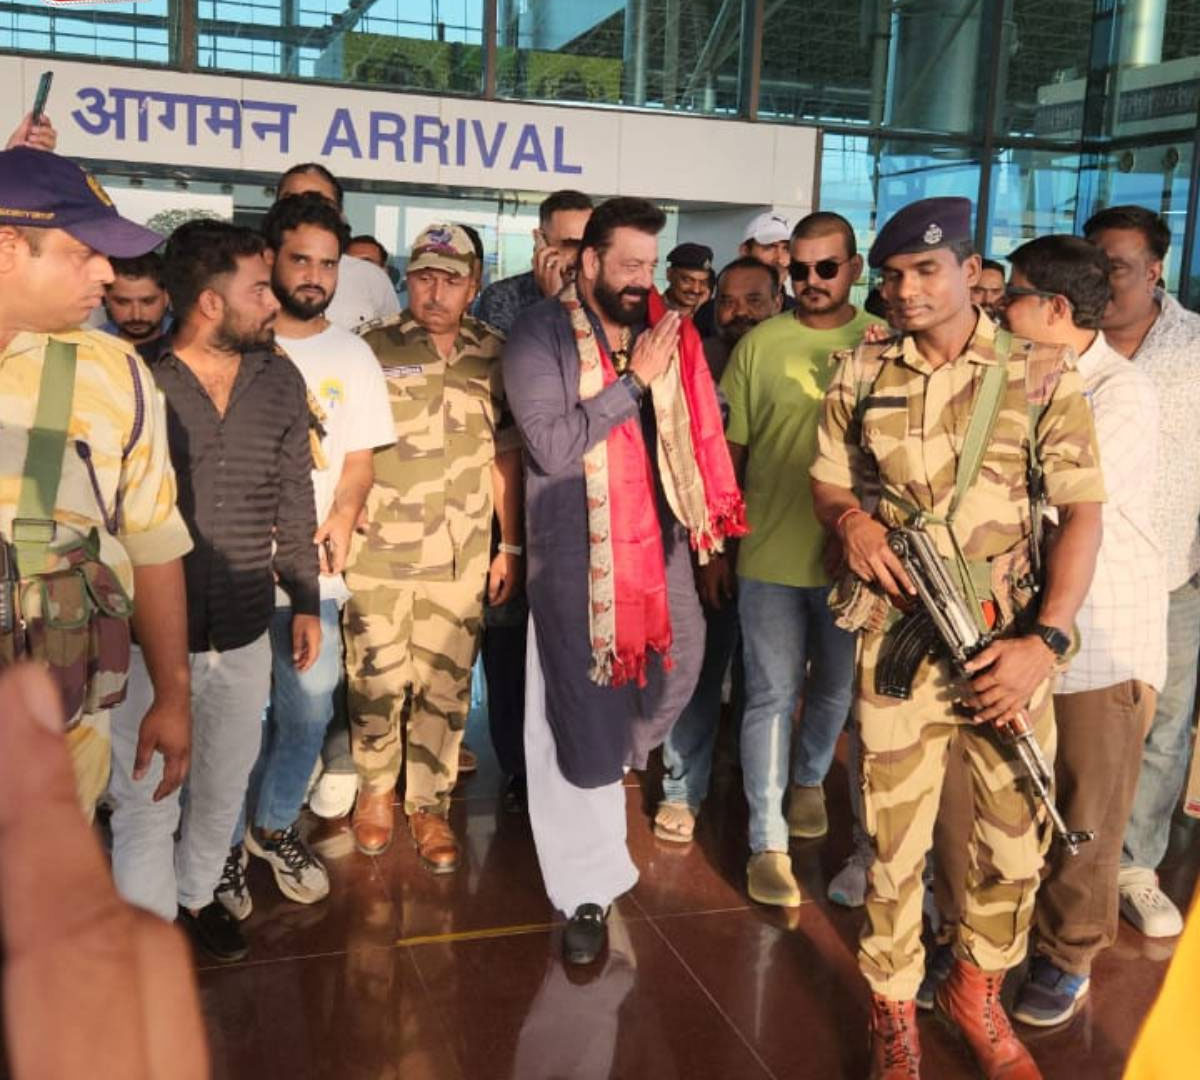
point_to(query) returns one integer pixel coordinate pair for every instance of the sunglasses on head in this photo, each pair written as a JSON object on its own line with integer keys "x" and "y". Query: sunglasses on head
{"x": 826, "y": 269}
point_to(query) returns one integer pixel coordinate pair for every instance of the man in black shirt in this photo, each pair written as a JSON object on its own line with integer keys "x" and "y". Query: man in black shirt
{"x": 238, "y": 429}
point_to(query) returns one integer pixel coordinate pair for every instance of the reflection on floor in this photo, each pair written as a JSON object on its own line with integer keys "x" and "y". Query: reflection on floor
{"x": 401, "y": 975}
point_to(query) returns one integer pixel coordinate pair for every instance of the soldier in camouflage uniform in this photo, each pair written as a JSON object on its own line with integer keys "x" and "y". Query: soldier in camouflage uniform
{"x": 111, "y": 518}
{"x": 418, "y": 572}
{"x": 894, "y": 422}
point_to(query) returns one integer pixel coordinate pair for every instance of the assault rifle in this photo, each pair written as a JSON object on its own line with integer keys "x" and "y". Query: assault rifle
{"x": 944, "y": 624}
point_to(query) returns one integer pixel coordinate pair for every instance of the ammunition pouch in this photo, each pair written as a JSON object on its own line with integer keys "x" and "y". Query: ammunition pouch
{"x": 74, "y": 621}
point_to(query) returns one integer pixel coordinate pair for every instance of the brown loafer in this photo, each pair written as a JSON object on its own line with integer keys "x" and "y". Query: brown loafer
{"x": 373, "y": 822}
{"x": 436, "y": 845}
{"x": 468, "y": 762}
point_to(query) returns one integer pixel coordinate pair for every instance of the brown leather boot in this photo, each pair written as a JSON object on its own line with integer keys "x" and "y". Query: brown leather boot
{"x": 435, "y": 841}
{"x": 373, "y": 821}
{"x": 970, "y": 998}
{"x": 895, "y": 1048}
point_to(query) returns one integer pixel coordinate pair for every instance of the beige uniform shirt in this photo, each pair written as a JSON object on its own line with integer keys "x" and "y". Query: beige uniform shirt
{"x": 914, "y": 423}
{"x": 108, "y": 478}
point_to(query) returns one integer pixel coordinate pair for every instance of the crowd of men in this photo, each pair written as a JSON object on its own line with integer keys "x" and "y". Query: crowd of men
{"x": 260, "y": 526}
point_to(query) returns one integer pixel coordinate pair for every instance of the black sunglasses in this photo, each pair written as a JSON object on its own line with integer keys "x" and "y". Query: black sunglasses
{"x": 826, "y": 269}
{"x": 1014, "y": 292}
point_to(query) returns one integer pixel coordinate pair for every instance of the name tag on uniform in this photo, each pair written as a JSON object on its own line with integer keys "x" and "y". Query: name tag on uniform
{"x": 403, "y": 369}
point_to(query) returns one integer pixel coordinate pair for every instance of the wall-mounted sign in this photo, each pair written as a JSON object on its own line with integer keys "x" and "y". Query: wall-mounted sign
{"x": 105, "y": 112}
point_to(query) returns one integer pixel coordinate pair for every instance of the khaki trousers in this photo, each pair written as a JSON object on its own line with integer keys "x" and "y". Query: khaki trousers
{"x": 413, "y": 639}
{"x": 905, "y": 748}
{"x": 1100, "y": 735}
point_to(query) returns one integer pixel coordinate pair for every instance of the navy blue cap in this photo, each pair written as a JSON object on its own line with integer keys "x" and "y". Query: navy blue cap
{"x": 691, "y": 257}
{"x": 41, "y": 190}
{"x": 922, "y": 226}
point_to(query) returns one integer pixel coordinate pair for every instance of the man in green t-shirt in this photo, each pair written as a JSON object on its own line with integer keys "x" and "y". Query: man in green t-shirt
{"x": 774, "y": 384}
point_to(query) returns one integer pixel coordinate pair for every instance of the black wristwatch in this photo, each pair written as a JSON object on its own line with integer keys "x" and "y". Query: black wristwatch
{"x": 631, "y": 380}
{"x": 1056, "y": 641}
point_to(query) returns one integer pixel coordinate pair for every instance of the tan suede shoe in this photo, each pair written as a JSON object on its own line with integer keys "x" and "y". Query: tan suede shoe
{"x": 770, "y": 879}
{"x": 806, "y": 815}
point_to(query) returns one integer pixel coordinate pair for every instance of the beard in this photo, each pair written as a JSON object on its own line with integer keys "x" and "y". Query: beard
{"x": 814, "y": 300}
{"x": 734, "y": 330}
{"x": 612, "y": 302}
{"x": 242, "y": 339}
{"x": 304, "y": 305}
{"x": 137, "y": 331}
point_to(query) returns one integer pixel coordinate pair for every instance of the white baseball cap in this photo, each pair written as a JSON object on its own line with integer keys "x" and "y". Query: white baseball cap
{"x": 767, "y": 228}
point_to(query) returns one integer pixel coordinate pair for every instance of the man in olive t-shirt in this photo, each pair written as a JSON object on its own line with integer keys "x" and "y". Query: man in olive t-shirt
{"x": 774, "y": 384}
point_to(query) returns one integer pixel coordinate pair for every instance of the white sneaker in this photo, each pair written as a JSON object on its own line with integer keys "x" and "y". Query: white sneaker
{"x": 849, "y": 884}
{"x": 300, "y": 875}
{"x": 332, "y": 796}
{"x": 1145, "y": 905}
{"x": 231, "y": 891}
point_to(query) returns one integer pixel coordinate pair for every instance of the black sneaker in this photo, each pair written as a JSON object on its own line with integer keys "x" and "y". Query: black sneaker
{"x": 586, "y": 934}
{"x": 215, "y": 931}
{"x": 300, "y": 875}
{"x": 232, "y": 892}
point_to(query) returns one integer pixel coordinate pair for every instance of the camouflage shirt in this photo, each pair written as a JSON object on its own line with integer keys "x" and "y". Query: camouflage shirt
{"x": 914, "y": 422}
{"x": 429, "y": 514}
{"x": 125, "y": 490}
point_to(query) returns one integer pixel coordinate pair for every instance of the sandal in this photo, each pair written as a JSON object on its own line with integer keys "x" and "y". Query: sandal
{"x": 675, "y": 822}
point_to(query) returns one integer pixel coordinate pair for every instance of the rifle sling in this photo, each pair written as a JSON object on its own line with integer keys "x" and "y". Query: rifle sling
{"x": 984, "y": 411}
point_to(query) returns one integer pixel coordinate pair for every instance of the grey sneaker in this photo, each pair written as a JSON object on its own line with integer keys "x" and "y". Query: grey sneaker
{"x": 1145, "y": 905}
{"x": 849, "y": 885}
{"x": 300, "y": 875}
{"x": 231, "y": 891}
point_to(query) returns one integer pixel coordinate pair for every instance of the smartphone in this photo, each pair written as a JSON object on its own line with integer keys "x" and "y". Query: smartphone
{"x": 43, "y": 92}
{"x": 327, "y": 547}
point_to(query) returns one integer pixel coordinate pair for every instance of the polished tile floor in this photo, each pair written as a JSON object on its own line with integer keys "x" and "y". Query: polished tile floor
{"x": 401, "y": 975}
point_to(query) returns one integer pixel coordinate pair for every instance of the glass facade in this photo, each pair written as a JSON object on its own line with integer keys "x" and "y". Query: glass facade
{"x": 1040, "y": 111}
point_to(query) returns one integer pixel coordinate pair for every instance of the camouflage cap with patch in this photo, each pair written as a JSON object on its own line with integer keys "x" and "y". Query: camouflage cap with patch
{"x": 443, "y": 247}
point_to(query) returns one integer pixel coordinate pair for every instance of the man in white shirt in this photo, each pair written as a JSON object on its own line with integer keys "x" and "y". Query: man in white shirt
{"x": 1162, "y": 339}
{"x": 364, "y": 292}
{"x": 1105, "y": 700}
{"x": 350, "y": 419}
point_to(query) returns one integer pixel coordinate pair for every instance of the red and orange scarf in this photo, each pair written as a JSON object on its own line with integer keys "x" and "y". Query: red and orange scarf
{"x": 627, "y": 581}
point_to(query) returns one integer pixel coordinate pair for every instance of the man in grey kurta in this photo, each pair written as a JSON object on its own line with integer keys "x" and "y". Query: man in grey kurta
{"x": 598, "y": 731}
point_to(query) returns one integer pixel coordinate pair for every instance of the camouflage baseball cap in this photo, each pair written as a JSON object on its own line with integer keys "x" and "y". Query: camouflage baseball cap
{"x": 443, "y": 247}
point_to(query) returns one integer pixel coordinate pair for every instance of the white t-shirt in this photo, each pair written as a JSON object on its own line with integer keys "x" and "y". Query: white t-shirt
{"x": 343, "y": 375}
{"x": 363, "y": 292}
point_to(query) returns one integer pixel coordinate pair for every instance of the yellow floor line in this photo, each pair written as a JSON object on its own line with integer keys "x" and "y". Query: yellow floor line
{"x": 476, "y": 935}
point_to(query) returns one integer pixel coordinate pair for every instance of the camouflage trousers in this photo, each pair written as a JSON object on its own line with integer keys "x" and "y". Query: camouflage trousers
{"x": 414, "y": 641}
{"x": 905, "y": 747}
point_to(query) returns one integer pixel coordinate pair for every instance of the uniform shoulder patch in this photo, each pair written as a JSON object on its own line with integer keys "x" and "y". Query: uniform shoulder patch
{"x": 482, "y": 330}
{"x": 103, "y": 342}
{"x": 381, "y": 323}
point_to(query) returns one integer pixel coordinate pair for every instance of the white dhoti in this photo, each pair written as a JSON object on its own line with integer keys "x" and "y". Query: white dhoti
{"x": 579, "y": 832}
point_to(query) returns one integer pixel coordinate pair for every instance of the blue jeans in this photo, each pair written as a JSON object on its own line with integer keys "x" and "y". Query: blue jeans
{"x": 1165, "y": 752}
{"x": 688, "y": 748}
{"x": 294, "y": 723}
{"x": 785, "y": 629}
